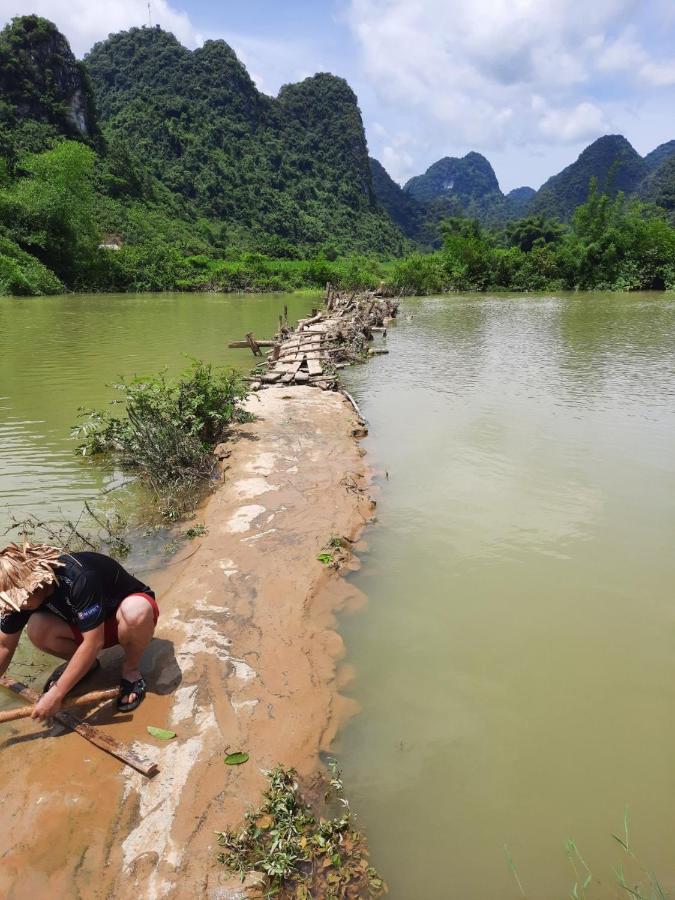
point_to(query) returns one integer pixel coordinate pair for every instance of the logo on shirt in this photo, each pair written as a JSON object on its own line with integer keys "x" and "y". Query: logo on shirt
{"x": 91, "y": 612}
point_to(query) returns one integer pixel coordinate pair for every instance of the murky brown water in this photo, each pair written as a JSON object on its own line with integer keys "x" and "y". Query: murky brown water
{"x": 516, "y": 659}
{"x": 58, "y": 354}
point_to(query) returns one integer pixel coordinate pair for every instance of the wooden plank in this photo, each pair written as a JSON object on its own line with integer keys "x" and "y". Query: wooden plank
{"x": 292, "y": 371}
{"x": 301, "y": 377}
{"x": 244, "y": 345}
{"x": 271, "y": 377}
{"x": 314, "y": 367}
{"x": 88, "y": 732}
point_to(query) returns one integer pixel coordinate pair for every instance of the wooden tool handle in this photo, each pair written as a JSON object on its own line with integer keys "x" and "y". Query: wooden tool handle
{"x": 24, "y": 712}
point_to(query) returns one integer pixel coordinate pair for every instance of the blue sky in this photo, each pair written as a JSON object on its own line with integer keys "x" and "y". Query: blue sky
{"x": 529, "y": 83}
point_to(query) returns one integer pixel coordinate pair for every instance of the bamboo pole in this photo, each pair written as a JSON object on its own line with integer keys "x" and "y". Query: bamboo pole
{"x": 24, "y": 712}
{"x": 96, "y": 737}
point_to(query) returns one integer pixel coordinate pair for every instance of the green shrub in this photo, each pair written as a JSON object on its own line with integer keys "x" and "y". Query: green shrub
{"x": 23, "y": 275}
{"x": 170, "y": 427}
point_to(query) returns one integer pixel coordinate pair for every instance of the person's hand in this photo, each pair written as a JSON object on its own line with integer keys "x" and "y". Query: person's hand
{"x": 48, "y": 705}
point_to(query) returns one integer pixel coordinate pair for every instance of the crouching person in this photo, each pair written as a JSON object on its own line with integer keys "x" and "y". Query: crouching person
{"x": 73, "y": 605}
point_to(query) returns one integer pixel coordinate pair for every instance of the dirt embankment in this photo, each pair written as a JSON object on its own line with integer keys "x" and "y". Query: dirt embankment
{"x": 246, "y": 658}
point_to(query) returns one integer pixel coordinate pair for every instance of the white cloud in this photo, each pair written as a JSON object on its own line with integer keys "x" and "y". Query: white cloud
{"x": 659, "y": 74}
{"x": 273, "y": 63}
{"x": 577, "y": 123}
{"x": 626, "y": 54}
{"x": 473, "y": 67}
{"x": 84, "y": 22}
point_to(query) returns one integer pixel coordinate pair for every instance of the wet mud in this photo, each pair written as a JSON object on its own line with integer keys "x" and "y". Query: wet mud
{"x": 246, "y": 657}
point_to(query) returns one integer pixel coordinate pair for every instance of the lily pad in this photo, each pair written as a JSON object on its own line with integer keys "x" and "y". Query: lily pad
{"x": 236, "y": 759}
{"x": 161, "y": 733}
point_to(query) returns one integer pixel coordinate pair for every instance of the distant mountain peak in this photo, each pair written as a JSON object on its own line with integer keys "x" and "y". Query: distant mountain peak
{"x": 469, "y": 177}
{"x": 611, "y": 160}
{"x": 40, "y": 80}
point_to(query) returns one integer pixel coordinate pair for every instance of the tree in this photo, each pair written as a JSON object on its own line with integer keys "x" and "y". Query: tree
{"x": 50, "y": 210}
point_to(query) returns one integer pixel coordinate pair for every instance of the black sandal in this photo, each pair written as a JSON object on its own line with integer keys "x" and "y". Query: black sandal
{"x": 138, "y": 688}
{"x": 59, "y": 670}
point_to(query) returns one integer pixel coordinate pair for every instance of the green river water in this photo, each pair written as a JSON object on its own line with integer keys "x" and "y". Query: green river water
{"x": 515, "y": 662}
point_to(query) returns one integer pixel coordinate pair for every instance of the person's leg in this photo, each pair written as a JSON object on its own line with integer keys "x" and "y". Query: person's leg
{"x": 51, "y": 634}
{"x": 135, "y": 628}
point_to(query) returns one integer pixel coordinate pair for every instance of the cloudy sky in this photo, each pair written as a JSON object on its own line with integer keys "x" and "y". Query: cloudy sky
{"x": 529, "y": 83}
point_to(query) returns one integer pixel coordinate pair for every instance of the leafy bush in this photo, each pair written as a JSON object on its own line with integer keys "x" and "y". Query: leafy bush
{"x": 296, "y": 855}
{"x": 170, "y": 428}
{"x": 23, "y": 275}
{"x": 50, "y": 211}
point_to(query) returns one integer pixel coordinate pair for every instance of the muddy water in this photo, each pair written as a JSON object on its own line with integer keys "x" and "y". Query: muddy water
{"x": 516, "y": 660}
{"x": 58, "y": 354}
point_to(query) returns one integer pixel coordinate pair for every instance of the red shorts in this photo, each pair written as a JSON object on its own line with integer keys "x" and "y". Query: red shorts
{"x": 110, "y": 638}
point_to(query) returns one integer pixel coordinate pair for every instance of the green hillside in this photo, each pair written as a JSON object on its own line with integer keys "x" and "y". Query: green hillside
{"x": 663, "y": 152}
{"x": 611, "y": 160}
{"x": 403, "y": 209}
{"x": 276, "y": 174}
{"x": 44, "y": 91}
{"x": 659, "y": 185}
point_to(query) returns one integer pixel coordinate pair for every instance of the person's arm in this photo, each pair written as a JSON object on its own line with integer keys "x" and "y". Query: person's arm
{"x": 79, "y": 664}
{"x": 8, "y": 644}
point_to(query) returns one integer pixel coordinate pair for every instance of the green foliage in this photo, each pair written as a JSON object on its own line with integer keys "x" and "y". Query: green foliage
{"x": 296, "y": 855}
{"x": 23, "y": 275}
{"x": 51, "y": 211}
{"x": 533, "y": 231}
{"x": 611, "y": 244}
{"x": 170, "y": 427}
{"x": 277, "y": 174}
{"x": 45, "y": 92}
{"x": 659, "y": 186}
{"x": 611, "y": 161}
{"x": 206, "y": 184}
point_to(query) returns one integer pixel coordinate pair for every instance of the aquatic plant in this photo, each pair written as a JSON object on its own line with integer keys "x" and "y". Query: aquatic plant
{"x": 170, "y": 428}
{"x": 582, "y": 888}
{"x": 295, "y": 854}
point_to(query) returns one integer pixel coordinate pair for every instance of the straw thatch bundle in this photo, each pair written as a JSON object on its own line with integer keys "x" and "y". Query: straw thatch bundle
{"x": 24, "y": 570}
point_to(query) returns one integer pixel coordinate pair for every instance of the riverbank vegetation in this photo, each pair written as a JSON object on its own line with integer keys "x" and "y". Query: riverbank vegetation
{"x": 168, "y": 432}
{"x": 50, "y": 242}
{"x": 292, "y": 853}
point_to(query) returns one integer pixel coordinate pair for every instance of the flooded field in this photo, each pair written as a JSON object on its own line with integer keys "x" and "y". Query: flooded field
{"x": 515, "y": 661}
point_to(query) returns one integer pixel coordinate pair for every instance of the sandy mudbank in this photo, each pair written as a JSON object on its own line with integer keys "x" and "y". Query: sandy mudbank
{"x": 246, "y": 658}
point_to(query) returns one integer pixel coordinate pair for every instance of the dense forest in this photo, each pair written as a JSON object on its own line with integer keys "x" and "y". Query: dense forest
{"x": 148, "y": 166}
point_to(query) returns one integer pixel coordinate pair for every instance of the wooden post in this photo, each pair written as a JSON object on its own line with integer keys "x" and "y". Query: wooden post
{"x": 281, "y": 323}
{"x": 255, "y": 349}
{"x": 285, "y": 314}
{"x": 276, "y": 350}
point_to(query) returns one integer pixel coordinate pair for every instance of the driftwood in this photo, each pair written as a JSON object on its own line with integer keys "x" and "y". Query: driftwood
{"x": 25, "y": 712}
{"x": 244, "y": 345}
{"x": 354, "y": 404}
{"x": 88, "y": 732}
{"x": 339, "y": 333}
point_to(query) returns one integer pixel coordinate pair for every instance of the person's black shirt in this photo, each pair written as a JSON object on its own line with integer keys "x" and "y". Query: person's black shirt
{"x": 90, "y": 588}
